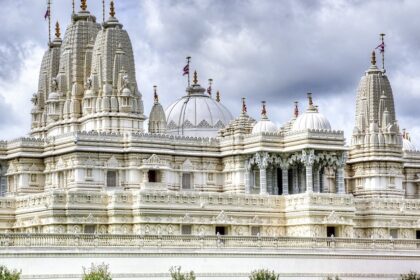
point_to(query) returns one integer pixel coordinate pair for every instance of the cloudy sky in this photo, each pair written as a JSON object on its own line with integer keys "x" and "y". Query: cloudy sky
{"x": 261, "y": 49}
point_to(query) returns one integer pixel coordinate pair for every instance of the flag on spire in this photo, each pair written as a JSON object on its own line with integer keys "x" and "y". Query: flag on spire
{"x": 47, "y": 13}
{"x": 381, "y": 47}
{"x": 209, "y": 88}
{"x": 186, "y": 70}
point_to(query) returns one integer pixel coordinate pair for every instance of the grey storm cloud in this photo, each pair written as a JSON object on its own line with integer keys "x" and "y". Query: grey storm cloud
{"x": 260, "y": 49}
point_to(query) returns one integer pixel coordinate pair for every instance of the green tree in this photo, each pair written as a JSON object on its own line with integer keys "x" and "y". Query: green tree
{"x": 6, "y": 274}
{"x": 263, "y": 274}
{"x": 97, "y": 272}
{"x": 410, "y": 276}
{"x": 176, "y": 274}
{"x": 333, "y": 278}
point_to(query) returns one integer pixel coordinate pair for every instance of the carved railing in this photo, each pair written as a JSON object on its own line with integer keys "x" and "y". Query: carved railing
{"x": 10, "y": 240}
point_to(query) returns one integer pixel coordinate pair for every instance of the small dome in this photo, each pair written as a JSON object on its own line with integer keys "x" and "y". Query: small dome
{"x": 126, "y": 92}
{"x": 406, "y": 141}
{"x": 196, "y": 114}
{"x": 311, "y": 119}
{"x": 264, "y": 125}
{"x": 53, "y": 96}
{"x": 408, "y": 146}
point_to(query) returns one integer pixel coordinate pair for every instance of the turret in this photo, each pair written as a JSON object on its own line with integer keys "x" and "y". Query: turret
{"x": 157, "y": 118}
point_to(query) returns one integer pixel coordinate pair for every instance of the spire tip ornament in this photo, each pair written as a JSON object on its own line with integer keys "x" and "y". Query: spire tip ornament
{"x": 83, "y": 5}
{"x": 112, "y": 9}
{"x": 296, "y": 112}
{"x": 263, "y": 110}
{"x": 310, "y": 101}
{"x": 218, "y": 96}
{"x": 155, "y": 95}
{"x": 244, "y": 109}
{"x": 373, "y": 58}
{"x": 195, "y": 78}
{"x": 57, "y": 30}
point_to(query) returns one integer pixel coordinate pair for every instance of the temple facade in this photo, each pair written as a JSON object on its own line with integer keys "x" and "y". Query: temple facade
{"x": 89, "y": 166}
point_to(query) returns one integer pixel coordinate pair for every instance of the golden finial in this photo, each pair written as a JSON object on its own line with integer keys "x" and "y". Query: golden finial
{"x": 195, "y": 79}
{"x": 264, "y": 110}
{"x": 57, "y": 30}
{"x": 83, "y": 6}
{"x": 218, "y": 96}
{"x": 404, "y": 133}
{"x": 112, "y": 8}
{"x": 296, "y": 109}
{"x": 373, "y": 58}
{"x": 155, "y": 95}
{"x": 243, "y": 105}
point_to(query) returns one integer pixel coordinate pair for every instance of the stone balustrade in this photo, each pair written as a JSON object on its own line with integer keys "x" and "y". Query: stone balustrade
{"x": 12, "y": 240}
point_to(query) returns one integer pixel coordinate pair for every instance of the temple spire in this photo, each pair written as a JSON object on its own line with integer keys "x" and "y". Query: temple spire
{"x": 83, "y": 5}
{"x": 112, "y": 9}
{"x": 57, "y": 30}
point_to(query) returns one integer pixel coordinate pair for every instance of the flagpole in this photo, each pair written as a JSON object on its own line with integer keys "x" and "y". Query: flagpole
{"x": 188, "y": 63}
{"x": 383, "y": 50}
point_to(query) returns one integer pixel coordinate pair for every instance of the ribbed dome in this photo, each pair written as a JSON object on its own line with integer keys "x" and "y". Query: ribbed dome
{"x": 196, "y": 114}
{"x": 311, "y": 119}
{"x": 264, "y": 125}
{"x": 408, "y": 146}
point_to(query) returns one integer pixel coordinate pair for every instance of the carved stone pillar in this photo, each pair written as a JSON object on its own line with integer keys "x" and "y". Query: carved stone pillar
{"x": 247, "y": 177}
{"x": 340, "y": 180}
{"x": 275, "y": 182}
{"x": 316, "y": 179}
{"x": 285, "y": 180}
{"x": 269, "y": 180}
{"x": 340, "y": 174}
{"x": 263, "y": 181}
{"x": 308, "y": 158}
{"x": 295, "y": 182}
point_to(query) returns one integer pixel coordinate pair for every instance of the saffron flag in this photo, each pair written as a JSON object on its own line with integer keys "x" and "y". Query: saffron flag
{"x": 47, "y": 14}
{"x": 381, "y": 47}
{"x": 186, "y": 70}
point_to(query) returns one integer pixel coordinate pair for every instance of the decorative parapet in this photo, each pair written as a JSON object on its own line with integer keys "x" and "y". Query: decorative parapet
{"x": 16, "y": 240}
{"x": 208, "y": 200}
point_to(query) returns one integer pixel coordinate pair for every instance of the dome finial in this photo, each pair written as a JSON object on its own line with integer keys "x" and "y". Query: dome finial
{"x": 57, "y": 30}
{"x": 112, "y": 9}
{"x": 209, "y": 88}
{"x": 404, "y": 135}
{"x": 296, "y": 112}
{"x": 373, "y": 58}
{"x": 155, "y": 95}
{"x": 310, "y": 102}
{"x": 218, "y": 96}
{"x": 83, "y": 6}
{"x": 243, "y": 105}
{"x": 263, "y": 110}
{"x": 195, "y": 79}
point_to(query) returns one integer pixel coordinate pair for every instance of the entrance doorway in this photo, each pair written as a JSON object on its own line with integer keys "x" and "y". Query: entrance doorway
{"x": 331, "y": 232}
{"x": 221, "y": 230}
{"x": 417, "y": 234}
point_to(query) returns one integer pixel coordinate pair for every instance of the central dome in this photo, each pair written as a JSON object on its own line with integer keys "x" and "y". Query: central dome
{"x": 197, "y": 114}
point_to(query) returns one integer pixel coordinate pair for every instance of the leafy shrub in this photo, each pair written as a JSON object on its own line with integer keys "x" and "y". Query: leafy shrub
{"x": 176, "y": 274}
{"x": 263, "y": 274}
{"x": 99, "y": 272}
{"x": 6, "y": 274}
{"x": 410, "y": 276}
